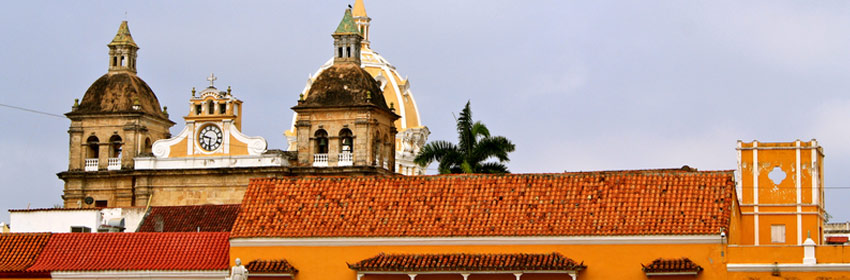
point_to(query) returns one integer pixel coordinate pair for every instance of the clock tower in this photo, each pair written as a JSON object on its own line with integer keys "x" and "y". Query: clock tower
{"x": 213, "y": 128}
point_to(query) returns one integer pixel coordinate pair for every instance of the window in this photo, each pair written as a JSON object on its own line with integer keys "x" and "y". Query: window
{"x": 94, "y": 149}
{"x": 321, "y": 141}
{"x": 348, "y": 51}
{"x": 115, "y": 145}
{"x": 346, "y": 142}
{"x": 340, "y": 52}
{"x": 80, "y": 229}
{"x": 777, "y": 233}
{"x": 114, "y": 61}
{"x": 198, "y": 109}
{"x": 211, "y": 108}
{"x": 222, "y": 108}
{"x": 100, "y": 203}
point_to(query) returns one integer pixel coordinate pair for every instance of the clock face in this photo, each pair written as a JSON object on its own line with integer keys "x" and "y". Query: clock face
{"x": 210, "y": 138}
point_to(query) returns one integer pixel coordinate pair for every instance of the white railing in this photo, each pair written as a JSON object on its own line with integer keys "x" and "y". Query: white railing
{"x": 113, "y": 164}
{"x": 91, "y": 164}
{"x": 345, "y": 159}
{"x": 320, "y": 160}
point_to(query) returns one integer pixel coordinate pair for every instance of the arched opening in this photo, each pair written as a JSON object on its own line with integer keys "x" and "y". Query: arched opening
{"x": 198, "y": 109}
{"x": 211, "y": 108}
{"x": 339, "y": 52}
{"x": 346, "y": 148}
{"x": 91, "y": 162}
{"x": 348, "y": 51}
{"x": 320, "y": 155}
{"x": 376, "y": 150}
{"x": 148, "y": 146}
{"x": 93, "y": 149}
{"x": 346, "y": 141}
{"x": 321, "y": 141}
{"x": 123, "y": 63}
{"x": 114, "y": 61}
{"x": 115, "y": 146}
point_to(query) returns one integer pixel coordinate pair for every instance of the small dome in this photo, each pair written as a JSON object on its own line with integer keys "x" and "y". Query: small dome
{"x": 117, "y": 93}
{"x": 344, "y": 84}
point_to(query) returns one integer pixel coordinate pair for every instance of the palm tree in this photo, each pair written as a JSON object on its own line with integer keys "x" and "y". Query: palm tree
{"x": 475, "y": 145}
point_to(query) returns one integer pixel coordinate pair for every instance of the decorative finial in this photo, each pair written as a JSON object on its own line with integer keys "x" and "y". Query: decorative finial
{"x": 76, "y": 104}
{"x": 228, "y": 90}
{"x": 212, "y": 79}
{"x": 392, "y": 106}
{"x": 301, "y": 97}
{"x": 136, "y": 105}
{"x": 165, "y": 110}
{"x": 193, "y": 91}
{"x": 368, "y": 95}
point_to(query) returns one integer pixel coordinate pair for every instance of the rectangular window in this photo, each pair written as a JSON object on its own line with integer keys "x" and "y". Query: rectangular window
{"x": 80, "y": 229}
{"x": 197, "y": 109}
{"x": 100, "y": 203}
{"x": 222, "y": 108}
{"x": 777, "y": 233}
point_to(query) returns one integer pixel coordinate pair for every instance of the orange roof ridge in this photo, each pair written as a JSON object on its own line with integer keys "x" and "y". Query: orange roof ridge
{"x": 568, "y": 204}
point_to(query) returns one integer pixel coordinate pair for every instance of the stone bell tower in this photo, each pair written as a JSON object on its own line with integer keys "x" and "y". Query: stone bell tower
{"x": 118, "y": 119}
{"x": 344, "y": 120}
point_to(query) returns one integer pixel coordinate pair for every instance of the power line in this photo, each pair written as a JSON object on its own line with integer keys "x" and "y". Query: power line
{"x": 32, "y": 111}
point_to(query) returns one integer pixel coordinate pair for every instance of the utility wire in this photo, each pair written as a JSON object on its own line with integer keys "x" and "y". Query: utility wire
{"x": 32, "y": 111}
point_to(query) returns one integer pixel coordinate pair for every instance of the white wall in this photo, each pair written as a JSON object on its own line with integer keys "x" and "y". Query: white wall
{"x": 53, "y": 220}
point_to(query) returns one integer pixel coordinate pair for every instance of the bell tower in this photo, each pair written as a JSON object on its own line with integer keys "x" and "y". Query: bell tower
{"x": 780, "y": 192}
{"x": 344, "y": 120}
{"x": 117, "y": 120}
{"x": 122, "y": 51}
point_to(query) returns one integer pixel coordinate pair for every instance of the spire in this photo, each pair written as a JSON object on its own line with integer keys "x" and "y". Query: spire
{"x": 346, "y": 25}
{"x": 122, "y": 51}
{"x": 362, "y": 20}
{"x": 359, "y": 9}
{"x": 347, "y": 40}
{"x": 123, "y": 37}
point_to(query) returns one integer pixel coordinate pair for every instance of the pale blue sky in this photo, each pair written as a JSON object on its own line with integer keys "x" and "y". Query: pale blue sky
{"x": 577, "y": 85}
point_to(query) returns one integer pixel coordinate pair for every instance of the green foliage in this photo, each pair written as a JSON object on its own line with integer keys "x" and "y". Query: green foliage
{"x": 475, "y": 146}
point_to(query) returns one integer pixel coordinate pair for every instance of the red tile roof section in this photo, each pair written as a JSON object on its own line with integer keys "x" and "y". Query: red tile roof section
{"x": 467, "y": 262}
{"x": 270, "y": 266}
{"x": 134, "y": 251}
{"x": 674, "y": 265}
{"x": 209, "y": 218}
{"x": 836, "y": 239}
{"x": 657, "y": 202}
{"x": 19, "y": 251}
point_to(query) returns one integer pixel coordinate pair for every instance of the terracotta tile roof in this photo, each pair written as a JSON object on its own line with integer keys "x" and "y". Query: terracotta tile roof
{"x": 836, "y": 239}
{"x": 209, "y": 218}
{"x": 468, "y": 262}
{"x": 270, "y": 266}
{"x": 19, "y": 251}
{"x": 135, "y": 251}
{"x": 570, "y": 204}
{"x": 672, "y": 265}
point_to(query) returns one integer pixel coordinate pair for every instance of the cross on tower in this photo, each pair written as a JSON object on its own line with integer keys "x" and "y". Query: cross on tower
{"x": 212, "y": 79}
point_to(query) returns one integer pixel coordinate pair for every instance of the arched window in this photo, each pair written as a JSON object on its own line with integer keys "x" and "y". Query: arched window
{"x": 123, "y": 63}
{"x": 346, "y": 141}
{"x": 115, "y": 146}
{"x": 211, "y": 108}
{"x": 376, "y": 149}
{"x": 321, "y": 141}
{"x": 114, "y": 61}
{"x": 148, "y": 146}
{"x": 340, "y": 52}
{"x": 347, "y": 51}
{"x": 93, "y": 147}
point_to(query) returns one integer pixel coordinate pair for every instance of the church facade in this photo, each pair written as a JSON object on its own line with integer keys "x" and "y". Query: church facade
{"x": 122, "y": 154}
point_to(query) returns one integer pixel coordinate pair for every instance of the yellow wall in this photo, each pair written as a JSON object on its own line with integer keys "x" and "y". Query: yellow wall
{"x": 603, "y": 261}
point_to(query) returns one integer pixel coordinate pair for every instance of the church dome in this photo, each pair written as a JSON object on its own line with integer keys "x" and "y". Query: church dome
{"x": 117, "y": 92}
{"x": 344, "y": 84}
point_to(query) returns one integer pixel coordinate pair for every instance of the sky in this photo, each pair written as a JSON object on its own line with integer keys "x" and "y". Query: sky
{"x": 576, "y": 85}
